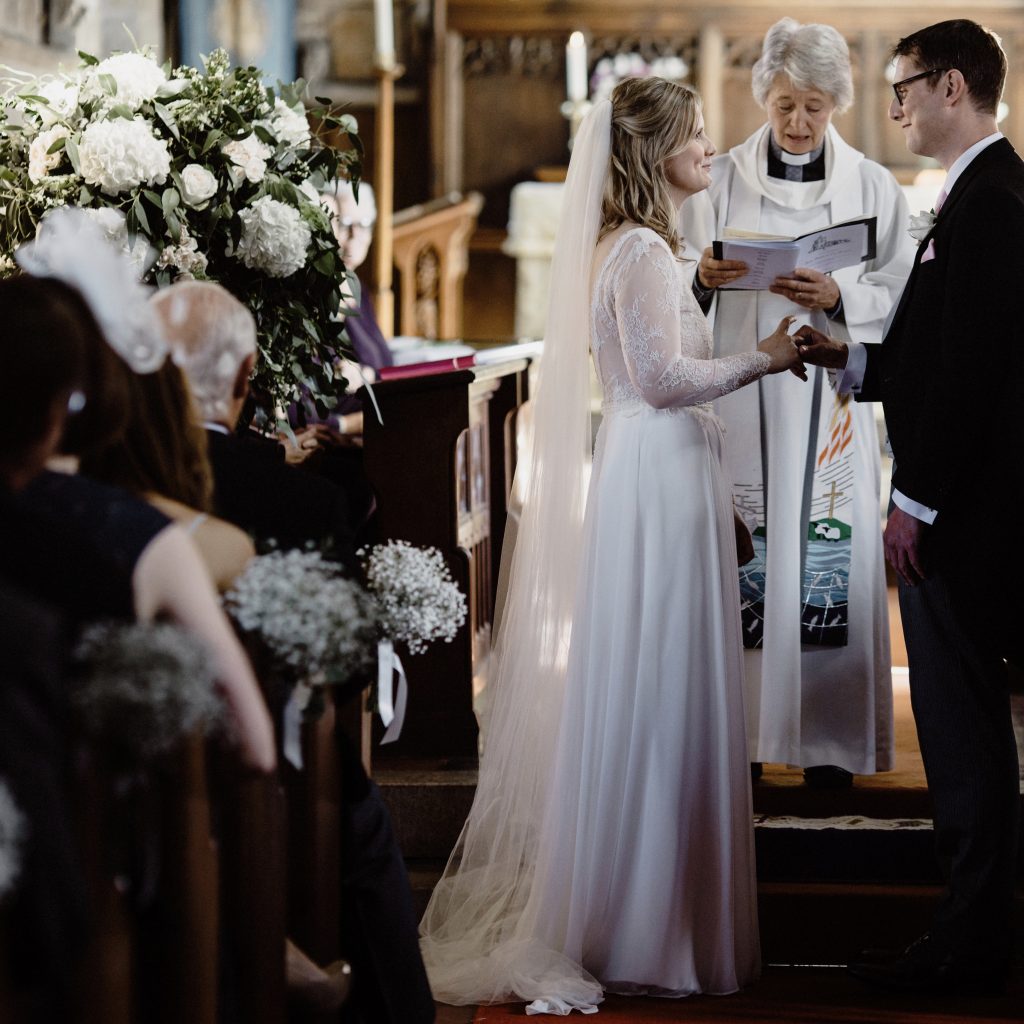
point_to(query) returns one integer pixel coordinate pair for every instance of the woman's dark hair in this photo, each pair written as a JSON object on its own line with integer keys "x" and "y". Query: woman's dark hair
{"x": 964, "y": 46}
{"x": 46, "y": 333}
{"x": 163, "y": 447}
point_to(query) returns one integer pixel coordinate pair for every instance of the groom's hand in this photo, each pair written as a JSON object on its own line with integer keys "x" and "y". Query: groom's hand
{"x": 819, "y": 349}
{"x": 902, "y": 542}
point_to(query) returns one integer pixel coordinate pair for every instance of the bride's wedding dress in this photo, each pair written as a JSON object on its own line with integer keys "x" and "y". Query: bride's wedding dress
{"x": 643, "y": 875}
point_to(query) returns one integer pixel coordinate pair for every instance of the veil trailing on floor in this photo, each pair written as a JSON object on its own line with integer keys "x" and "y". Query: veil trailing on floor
{"x": 478, "y": 936}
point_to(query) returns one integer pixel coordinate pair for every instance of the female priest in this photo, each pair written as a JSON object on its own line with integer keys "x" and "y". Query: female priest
{"x": 805, "y": 461}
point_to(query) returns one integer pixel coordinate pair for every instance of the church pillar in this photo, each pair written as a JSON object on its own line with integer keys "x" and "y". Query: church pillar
{"x": 871, "y": 102}
{"x": 711, "y": 78}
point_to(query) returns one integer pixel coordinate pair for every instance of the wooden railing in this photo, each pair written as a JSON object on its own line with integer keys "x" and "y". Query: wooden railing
{"x": 441, "y": 464}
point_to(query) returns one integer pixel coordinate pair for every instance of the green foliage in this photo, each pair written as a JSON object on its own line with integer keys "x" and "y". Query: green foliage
{"x": 199, "y": 115}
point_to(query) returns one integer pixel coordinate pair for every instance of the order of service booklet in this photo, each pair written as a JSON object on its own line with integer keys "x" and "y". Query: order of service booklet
{"x": 770, "y": 256}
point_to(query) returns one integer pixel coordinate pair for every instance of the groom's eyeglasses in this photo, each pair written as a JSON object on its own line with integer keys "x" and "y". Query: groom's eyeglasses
{"x": 900, "y": 88}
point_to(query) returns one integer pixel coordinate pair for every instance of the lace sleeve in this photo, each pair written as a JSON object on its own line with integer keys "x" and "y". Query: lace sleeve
{"x": 654, "y": 334}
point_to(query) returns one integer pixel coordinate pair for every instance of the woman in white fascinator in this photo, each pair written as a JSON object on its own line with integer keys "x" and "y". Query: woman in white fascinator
{"x": 610, "y": 843}
{"x": 95, "y": 551}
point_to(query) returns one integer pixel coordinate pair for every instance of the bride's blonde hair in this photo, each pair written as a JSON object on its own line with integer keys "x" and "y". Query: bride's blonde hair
{"x": 652, "y": 119}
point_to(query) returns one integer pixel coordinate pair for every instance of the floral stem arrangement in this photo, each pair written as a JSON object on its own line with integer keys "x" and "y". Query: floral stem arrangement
{"x": 207, "y": 174}
{"x": 418, "y": 602}
{"x": 319, "y": 626}
{"x": 144, "y": 687}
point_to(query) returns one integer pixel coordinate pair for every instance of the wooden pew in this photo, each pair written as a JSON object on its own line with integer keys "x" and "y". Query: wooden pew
{"x": 441, "y": 465}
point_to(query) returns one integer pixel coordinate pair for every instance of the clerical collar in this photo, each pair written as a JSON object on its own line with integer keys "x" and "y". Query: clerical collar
{"x": 795, "y": 166}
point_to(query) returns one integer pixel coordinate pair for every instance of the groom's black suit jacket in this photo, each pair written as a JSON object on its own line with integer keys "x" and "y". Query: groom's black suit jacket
{"x": 949, "y": 369}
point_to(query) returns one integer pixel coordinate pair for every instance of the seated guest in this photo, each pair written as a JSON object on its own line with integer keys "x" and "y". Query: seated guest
{"x": 353, "y": 222}
{"x": 162, "y": 457}
{"x": 94, "y": 551}
{"x": 213, "y": 337}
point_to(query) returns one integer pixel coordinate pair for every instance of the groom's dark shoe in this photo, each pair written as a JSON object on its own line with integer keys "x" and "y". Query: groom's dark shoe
{"x": 926, "y": 967}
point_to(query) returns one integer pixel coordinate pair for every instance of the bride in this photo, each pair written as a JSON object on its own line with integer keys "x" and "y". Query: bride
{"x": 610, "y": 843}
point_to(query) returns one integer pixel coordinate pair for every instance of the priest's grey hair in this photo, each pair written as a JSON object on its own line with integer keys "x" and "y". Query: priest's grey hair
{"x": 210, "y": 334}
{"x": 813, "y": 56}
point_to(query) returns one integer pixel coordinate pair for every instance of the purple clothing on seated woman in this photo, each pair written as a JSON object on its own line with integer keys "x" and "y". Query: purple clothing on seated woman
{"x": 370, "y": 350}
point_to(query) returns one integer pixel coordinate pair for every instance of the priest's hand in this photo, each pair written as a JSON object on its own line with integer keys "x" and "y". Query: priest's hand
{"x": 712, "y": 273}
{"x": 902, "y": 541}
{"x": 819, "y": 349}
{"x": 808, "y": 288}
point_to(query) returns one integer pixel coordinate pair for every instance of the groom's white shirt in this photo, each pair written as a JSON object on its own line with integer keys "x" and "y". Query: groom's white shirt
{"x": 851, "y": 378}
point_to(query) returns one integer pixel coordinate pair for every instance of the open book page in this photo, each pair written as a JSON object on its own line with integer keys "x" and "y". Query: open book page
{"x": 769, "y": 256}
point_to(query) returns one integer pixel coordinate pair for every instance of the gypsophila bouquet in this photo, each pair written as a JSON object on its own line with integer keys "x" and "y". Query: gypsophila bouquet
{"x": 609, "y": 71}
{"x": 12, "y": 834}
{"x": 419, "y": 601}
{"x": 196, "y": 174}
{"x": 144, "y": 687}
{"x": 318, "y": 625}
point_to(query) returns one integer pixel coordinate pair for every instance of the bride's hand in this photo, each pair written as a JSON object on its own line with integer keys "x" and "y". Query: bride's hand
{"x": 782, "y": 351}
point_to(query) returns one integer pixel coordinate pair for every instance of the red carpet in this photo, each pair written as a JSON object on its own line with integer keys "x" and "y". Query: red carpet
{"x": 796, "y": 996}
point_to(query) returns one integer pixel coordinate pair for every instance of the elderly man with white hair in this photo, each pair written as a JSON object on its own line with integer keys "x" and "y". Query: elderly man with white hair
{"x": 213, "y": 338}
{"x": 814, "y": 600}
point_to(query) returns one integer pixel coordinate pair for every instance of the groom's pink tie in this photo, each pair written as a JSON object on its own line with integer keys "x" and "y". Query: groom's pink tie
{"x": 940, "y": 201}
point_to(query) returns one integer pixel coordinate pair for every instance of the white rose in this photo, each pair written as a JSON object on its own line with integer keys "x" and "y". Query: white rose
{"x": 274, "y": 239}
{"x": 197, "y": 185}
{"x": 921, "y": 224}
{"x": 41, "y": 162}
{"x": 290, "y": 126}
{"x": 250, "y": 155}
{"x": 139, "y": 79}
{"x": 61, "y": 97}
{"x": 121, "y": 155}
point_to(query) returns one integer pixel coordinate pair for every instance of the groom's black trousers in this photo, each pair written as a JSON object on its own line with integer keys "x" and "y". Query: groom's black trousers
{"x": 957, "y": 623}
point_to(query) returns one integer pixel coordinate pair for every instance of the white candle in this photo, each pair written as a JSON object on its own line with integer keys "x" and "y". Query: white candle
{"x": 576, "y": 68}
{"x": 384, "y": 32}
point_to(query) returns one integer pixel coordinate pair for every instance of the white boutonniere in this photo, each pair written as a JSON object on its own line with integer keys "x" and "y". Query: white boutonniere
{"x": 921, "y": 224}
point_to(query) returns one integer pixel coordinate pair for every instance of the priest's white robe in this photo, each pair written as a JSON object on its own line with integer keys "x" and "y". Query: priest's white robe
{"x": 806, "y": 704}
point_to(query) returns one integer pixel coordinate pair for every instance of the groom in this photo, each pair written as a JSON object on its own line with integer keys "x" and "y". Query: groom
{"x": 950, "y": 375}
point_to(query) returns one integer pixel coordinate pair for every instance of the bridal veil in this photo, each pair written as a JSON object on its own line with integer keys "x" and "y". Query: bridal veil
{"x": 478, "y": 936}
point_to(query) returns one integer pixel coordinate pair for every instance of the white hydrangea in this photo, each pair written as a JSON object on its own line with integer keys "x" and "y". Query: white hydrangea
{"x": 40, "y": 161}
{"x": 288, "y": 125}
{"x": 314, "y": 620}
{"x": 184, "y": 257}
{"x": 198, "y": 185}
{"x": 274, "y": 239}
{"x": 419, "y": 601}
{"x": 12, "y": 834}
{"x": 139, "y": 79}
{"x": 249, "y": 156}
{"x": 120, "y": 155}
{"x": 61, "y": 95}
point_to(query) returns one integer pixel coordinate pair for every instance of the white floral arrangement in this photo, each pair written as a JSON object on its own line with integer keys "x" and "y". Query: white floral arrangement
{"x": 12, "y": 835}
{"x": 417, "y": 598}
{"x": 921, "y": 224}
{"x": 609, "y": 71}
{"x": 317, "y": 624}
{"x": 144, "y": 687}
{"x": 202, "y": 174}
